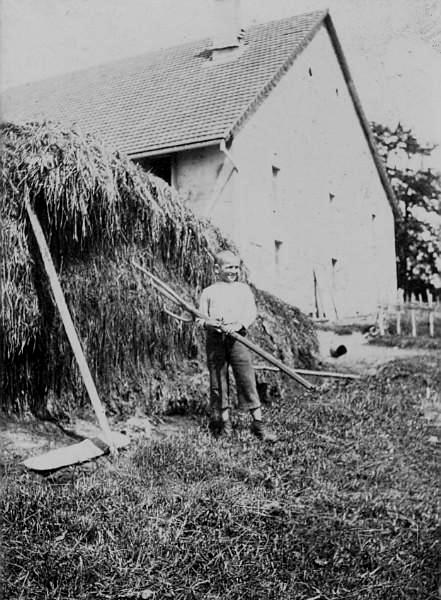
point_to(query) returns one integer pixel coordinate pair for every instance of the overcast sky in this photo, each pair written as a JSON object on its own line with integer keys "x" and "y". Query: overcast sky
{"x": 393, "y": 47}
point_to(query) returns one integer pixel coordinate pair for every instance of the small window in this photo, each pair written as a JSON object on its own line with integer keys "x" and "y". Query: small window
{"x": 277, "y": 251}
{"x": 275, "y": 191}
{"x": 278, "y": 258}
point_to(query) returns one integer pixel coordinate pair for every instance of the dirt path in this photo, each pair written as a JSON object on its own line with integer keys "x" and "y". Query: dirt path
{"x": 365, "y": 359}
{"x": 23, "y": 438}
{"x": 361, "y": 357}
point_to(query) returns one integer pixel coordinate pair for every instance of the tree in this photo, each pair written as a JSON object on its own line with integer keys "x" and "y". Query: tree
{"x": 418, "y": 192}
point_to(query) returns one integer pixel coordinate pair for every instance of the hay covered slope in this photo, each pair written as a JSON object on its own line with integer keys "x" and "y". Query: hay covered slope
{"x": 98, "y": 211}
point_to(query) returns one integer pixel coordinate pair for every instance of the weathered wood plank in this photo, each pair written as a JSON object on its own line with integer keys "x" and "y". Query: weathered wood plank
{"x": 68, "y": 323}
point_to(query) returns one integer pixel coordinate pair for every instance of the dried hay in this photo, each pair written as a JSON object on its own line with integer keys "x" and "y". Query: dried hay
{"x": 98, "y": 210}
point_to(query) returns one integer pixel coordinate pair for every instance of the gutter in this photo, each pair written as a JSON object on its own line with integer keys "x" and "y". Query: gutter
{"x": 173, "y": 149}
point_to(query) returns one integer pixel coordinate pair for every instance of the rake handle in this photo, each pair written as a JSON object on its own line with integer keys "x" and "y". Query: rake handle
{"x": 163, "y": 287}
{"x": 274, "y": 361}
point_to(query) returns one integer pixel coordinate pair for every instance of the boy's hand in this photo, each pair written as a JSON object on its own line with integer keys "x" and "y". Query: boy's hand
{"x": 232, "y": 327}
{"x": 212, "y": 324}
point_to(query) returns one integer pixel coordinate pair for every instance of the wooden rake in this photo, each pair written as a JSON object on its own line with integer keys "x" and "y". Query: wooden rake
{"x": 169, "y": 293}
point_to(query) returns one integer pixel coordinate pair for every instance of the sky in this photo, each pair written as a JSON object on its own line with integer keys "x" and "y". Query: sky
{"x": 393, "y": 47}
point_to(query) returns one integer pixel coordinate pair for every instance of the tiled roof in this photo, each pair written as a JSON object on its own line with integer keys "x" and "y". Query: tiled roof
{"x": 168, "y": 98}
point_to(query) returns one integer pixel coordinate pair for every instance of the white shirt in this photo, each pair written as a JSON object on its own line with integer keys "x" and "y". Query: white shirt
{"x": 229, "y": 302}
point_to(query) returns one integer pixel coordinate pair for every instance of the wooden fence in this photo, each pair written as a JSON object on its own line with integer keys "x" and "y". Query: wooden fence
{"x": 412, "y": 309}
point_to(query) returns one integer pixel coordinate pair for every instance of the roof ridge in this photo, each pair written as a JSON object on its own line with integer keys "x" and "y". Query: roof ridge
{"x": 168, "y": 98}
{"x": 101, "y": 65}
{"x": 309, "y": 14}
{"x": 206, "y": 40}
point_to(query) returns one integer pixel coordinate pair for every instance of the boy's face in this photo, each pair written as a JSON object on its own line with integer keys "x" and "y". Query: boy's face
{"x": 229, "y": 270}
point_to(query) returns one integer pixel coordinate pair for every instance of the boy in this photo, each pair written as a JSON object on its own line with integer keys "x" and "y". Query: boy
{"x": 230, "y": 303}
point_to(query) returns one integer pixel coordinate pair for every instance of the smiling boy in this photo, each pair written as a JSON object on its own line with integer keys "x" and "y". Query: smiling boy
{"x": 230, "y": 303}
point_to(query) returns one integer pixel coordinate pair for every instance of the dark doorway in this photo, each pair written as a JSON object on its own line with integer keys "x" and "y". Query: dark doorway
{"x": 161, "y": 166}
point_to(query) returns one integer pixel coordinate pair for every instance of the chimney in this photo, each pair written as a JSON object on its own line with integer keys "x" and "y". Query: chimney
{"x": 226, "y": 27}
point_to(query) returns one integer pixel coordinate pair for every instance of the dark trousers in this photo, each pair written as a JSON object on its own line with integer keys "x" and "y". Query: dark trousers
{"x": 223, "y": 351}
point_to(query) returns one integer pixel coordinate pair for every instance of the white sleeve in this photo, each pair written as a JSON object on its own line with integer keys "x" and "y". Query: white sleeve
{"x": 204, "y": 303}
{"x": 249, "y": 311}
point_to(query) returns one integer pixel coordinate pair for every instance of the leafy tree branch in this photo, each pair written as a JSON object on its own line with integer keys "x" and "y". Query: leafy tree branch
{"x": 418, "y": 192}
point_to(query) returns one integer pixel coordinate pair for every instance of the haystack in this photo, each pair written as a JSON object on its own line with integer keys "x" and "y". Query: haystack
{"x": 99, "y": 211}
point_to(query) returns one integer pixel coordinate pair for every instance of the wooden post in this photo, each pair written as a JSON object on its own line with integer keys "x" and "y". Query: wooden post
{"x": 431, "y": 314}
{"x": 398, "y": 321}
{"x": 432, "y": 323}
{"x": 413, "y": 315}
{"x": 381, "y": 320}
{"x": 68, "y": 323}
{"x": 400, "y": 309}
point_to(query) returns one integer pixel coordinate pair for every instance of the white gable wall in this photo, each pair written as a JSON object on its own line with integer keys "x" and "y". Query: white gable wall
{"x": 306, "y": 180}
{"x": 196, "y": 173}
{"x": 334, "y": 217}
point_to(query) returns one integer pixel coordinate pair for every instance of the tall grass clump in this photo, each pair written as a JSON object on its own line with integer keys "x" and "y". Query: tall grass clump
{"x": 98, "y": 211}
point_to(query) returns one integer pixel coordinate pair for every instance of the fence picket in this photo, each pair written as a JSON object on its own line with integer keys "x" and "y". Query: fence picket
{"x": 413, "y": 307}
{"x": 431, "y": 315}
{"x": 413, "y": 321}
{"x": 381, "y": 321}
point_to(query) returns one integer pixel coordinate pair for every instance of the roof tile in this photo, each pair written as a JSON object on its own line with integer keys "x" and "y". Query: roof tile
{"x": 167, "y": 98}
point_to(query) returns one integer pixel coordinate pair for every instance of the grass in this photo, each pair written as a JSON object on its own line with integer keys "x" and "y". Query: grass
{"x": 406, "y": 341}
{"x": 345, "y": 506}
{"x": 422, "y": 341}
{"x": 422, "y": 324}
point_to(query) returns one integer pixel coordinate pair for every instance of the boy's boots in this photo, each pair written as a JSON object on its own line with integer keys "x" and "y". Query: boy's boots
{"x": 261, "y": 432}
{"x": 226, "y": 428}
{"x": 221, "y": 428}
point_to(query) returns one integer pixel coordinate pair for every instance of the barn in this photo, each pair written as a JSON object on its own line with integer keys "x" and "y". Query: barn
{"x": 261, "y": 131}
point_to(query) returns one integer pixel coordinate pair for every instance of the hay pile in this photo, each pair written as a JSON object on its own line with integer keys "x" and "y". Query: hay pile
{"x": 98, "y": 211}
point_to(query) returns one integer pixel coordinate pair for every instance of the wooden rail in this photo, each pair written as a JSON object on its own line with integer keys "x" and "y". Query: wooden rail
{"x": 414, "y": 308}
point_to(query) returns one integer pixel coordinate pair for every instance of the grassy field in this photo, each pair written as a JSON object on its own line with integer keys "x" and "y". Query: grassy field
{"x": 421, "y": 323}
{"x": 347, "y": 505}
{"x": 402, "y": 341}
